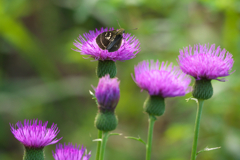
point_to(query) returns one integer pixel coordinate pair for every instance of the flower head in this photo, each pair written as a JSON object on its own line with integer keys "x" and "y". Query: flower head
{"x": 205, "y": 63}
{"x": 87, "y": 45}
{"x": 107, "y": 92}
{"x": 35, "y": 135}
{"x": 161, "y": 80}
{"x": 69, "y": 152}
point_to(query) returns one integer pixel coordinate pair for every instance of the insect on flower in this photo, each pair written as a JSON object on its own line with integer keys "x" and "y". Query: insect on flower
{"x": 111, "y": 40}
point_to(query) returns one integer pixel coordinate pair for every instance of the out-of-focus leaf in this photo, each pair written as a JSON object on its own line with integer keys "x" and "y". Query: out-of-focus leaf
{"x": 17, "y": 35}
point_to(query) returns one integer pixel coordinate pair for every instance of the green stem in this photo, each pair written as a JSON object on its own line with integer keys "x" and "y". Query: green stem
{"x": 103, "y": 145}
{"x": 98, "y": 144}
{"x": 196, "y": 130}
{"x": 152, "y": 119}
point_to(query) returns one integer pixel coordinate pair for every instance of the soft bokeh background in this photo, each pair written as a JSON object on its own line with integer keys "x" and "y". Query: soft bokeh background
{"x": 42, "y": 77}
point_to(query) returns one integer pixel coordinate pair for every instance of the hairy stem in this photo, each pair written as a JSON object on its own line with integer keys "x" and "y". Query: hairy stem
{"x": 103, "y": 145}
{"x": 98, "y": 145}
{"x": 152, "y": 119}
{"x": 196, "y": 130}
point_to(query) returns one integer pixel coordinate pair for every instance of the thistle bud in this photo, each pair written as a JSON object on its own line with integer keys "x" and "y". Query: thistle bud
{"x": 107, "y": 94}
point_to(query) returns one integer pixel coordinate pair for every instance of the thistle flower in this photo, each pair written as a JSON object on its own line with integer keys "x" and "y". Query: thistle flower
{"x": 34, "y": 135}
{"x": 107, "y": 94}
{"x": 69, "y": 152}
{"x": 87, "y": 45}
{"x": 203, "y": 62}
{"x": 161, "y": 81}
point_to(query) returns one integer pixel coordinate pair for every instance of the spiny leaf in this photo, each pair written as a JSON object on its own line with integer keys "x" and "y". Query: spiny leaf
{"x": 207, "y": 149}
{"x": 191, "y": 98}
{"x": 96, "y": 140}
{"x": 112, "y": 134}
{"x": 137, "y": 139}
{"x": 93, "y": 96}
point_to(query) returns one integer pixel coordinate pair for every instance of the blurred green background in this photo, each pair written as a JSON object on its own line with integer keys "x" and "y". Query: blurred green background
{"x": 42, "y": 77}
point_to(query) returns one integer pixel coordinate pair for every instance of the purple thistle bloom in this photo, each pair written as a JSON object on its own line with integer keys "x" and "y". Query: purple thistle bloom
{"x": 87, "y": 45}
{"x": 69, "y": 152}
{"x": 161, "y": 80}
{"x": 205, "y": 63}
{"x": 107, "y": 92}
{"x": 35, "y": 135}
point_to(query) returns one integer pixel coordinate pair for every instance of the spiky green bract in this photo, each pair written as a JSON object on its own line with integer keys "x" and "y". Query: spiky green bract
{"x": 106, "y": 121}
{"x": 154, "y": 105}
{"x": 33, "y": 154}
{"x": 106, "y": 67}
{"x": 202, "y": 89}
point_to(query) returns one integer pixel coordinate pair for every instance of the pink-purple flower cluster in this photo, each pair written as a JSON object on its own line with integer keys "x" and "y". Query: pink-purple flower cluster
{"x": 71, "y": 152}
{"x": 108, "y": 92}
{"x": 87, "y": 45}
{"x": 35, "y": 135}
{"x": 203, "y": 62}
{"x": 160, "y": 79}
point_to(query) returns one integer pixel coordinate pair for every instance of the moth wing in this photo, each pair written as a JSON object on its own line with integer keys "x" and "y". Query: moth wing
{"x": 116, "y": 44}
{"x": 99, "y": 41}
{"x": 118, "y": 37}
{"x": 103, "y": 39}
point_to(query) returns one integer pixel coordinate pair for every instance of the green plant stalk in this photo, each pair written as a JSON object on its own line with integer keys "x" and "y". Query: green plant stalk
{"x": 152, "y": 119}
{"x": 99, "y": 144}
{"x": 196, "y": 130}
{"x": 103, "y": 144}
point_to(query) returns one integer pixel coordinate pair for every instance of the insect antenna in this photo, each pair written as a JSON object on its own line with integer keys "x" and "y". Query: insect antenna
{"x": 127, "y": 29}
{"x": 132, "y": 29}
{"x": 119, "y": 24}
